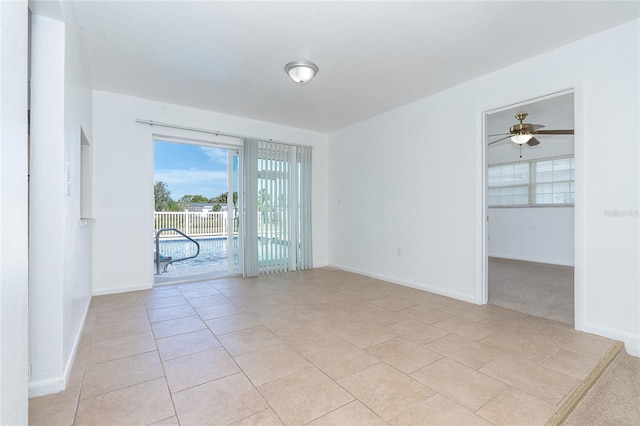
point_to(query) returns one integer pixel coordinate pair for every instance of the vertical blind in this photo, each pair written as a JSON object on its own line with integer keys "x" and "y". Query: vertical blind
{"x": 304, "y": 258}
{"x": 277, "y": 207}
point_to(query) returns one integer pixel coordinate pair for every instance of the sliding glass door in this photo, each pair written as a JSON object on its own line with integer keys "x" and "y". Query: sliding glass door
{"x": 196, "y": 214}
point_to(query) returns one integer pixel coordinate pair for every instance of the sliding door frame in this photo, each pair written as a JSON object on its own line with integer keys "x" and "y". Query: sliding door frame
{"x": 232, "y": 150}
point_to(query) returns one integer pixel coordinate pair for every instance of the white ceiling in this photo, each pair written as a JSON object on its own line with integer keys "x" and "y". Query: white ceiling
{"x": 229, "y": 57}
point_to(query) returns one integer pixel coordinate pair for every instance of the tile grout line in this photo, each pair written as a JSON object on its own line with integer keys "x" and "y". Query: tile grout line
{"x": 115, "y": 359}
{"x": 570, "y": 403}
{"x": 240, "y": 372}
{"x": 312, "y": 365}
{"x": 164, "y": 373}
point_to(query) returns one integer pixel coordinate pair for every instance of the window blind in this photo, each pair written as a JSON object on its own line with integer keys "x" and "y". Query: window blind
{"x": 277, "y": 189}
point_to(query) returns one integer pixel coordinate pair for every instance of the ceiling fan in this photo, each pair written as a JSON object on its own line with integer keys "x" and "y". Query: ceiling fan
{"x": 522, "y": 133}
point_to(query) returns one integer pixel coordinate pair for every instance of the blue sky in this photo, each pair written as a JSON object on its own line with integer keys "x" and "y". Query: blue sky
{"x": 190, "y": 169}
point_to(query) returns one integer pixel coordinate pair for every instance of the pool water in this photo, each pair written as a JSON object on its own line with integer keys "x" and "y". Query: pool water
{"x": 212, "y": 258}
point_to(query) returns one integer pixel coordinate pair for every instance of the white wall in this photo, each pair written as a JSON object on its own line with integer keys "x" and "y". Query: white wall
{"x": 533, "y": 234}
{"x": 123, "y": 181}
{"x": 59, "y": 243}
{"x": 412, "y": 179}
{"x": 13, "y": 213}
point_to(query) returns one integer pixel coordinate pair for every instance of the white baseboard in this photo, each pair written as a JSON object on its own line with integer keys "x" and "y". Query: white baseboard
{"x": 76, "y": 343}
{"x": 58, "y": 384}
{"x": 125, "y": 289}
{"x": 47, "y": 386}
{"x": 533, "y": 259}
{"x": 419, "y": 286}
{"x": 631, "y": 341}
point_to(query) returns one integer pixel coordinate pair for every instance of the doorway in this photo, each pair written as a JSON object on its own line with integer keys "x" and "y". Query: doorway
{"x": 196, "y": 211}
{"x": 530, "y": 200}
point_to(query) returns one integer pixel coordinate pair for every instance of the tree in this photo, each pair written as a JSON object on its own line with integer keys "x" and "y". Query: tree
{"x": 185, "y": 199}
{"x": 199, "y": 199}
{"x": 222, "y": 198}
{"x": 162, "y": 198}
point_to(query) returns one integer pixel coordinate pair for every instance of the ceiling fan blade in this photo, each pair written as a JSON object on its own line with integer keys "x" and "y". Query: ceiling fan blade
{"x": 530, "y": 127}
{"x": 533, "y": 142}
{"x": 501, "y": 139}
{"x": 554, "y": 132}
{"x": 500, "y": 134}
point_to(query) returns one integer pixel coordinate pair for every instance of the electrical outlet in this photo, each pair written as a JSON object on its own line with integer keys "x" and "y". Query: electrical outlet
{"x": 399, "y": 252}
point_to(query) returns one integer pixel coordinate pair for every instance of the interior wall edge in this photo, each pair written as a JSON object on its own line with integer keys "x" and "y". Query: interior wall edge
{"x": 14, "y": 324}
{"x": 47, "y": 234}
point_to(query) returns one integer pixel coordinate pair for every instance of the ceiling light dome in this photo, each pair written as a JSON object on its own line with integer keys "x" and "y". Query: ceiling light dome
{"x": 301, "y": 71}
{"x": 522, "y": 138}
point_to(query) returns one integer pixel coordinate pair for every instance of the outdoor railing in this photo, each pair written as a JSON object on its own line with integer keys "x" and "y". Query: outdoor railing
{"x": 215, "y": 224}
{"x": 197, "y": 224}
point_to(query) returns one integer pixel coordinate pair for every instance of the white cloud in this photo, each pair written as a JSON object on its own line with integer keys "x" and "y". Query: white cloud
{"x": 216, "y": 155}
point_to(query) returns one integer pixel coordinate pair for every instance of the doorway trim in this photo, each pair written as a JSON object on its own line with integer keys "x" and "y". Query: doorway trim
{"x": 482, "y": 267}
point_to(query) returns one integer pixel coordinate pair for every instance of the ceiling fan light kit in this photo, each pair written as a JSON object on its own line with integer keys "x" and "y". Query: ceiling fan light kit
{"x": 301, "y": 71}
{"x": 521, "y": 139}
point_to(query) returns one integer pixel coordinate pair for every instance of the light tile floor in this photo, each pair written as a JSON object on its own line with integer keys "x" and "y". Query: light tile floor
{"x": 320, "y": 347}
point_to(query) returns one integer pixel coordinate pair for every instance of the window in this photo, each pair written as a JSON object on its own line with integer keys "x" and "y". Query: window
{"x": 509, "y": 184}
{"x": 554, "y": 181}
{"x": 531, "y": 183}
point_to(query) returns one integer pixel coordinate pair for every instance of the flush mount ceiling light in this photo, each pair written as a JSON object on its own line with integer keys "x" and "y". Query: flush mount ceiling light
{"x": 301, "y": 71}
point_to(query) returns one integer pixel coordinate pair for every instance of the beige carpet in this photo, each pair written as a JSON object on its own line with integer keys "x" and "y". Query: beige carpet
{"x": 538, "y": 289}
{"x": 614, "y": 399}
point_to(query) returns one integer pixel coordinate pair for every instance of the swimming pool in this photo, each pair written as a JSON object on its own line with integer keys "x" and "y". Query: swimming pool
{"x": 212, "y": 258}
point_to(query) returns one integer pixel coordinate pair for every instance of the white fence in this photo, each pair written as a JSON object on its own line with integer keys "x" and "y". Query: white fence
{"x": 215, "y": 224}
{"x": 196, "y": 224}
